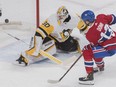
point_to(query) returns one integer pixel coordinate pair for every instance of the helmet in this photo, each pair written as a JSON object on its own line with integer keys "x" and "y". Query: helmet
{"x": 88, "y": 15}
{"x": 62, "y": 13}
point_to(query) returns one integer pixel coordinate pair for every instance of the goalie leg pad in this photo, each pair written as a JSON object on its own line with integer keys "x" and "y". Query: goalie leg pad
{"x": 37, "y": 46}
{"x": 48, "y": 47}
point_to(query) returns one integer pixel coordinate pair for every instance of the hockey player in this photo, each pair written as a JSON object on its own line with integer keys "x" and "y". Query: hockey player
{"x": 102, "y": 42}
{"x": 56, "y": 28}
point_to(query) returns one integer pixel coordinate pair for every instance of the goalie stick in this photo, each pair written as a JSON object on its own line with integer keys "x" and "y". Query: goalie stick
{"x": 49, "y": 56}
{"x": 43, "y": 53}
{"x": 56, "y": 81}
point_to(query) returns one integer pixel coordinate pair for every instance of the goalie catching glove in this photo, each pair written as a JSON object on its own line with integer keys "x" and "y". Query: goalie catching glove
{"x": 67, "y": 32}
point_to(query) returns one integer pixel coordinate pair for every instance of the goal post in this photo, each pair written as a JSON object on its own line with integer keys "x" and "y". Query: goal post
{"x": 37, "y": 13}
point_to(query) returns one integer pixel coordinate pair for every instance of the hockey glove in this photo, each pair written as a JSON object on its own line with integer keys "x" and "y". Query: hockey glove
{"x": 67, "y": 32}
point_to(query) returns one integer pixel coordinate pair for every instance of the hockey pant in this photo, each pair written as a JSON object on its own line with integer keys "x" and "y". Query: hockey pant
{"x": 69, "y": 45}
{"x": 96, "y": 54}
{"x": 47, "y": 46}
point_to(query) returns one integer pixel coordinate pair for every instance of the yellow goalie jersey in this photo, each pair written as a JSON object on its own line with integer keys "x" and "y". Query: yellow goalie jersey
{"x": 54, "y": 28}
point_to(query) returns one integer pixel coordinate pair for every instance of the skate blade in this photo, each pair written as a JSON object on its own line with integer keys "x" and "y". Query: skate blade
{"x": 86, "y": 82}
{"x": 17, "y": 64}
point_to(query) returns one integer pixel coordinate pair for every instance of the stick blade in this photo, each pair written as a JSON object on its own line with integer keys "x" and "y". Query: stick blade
{"x": 53, "y": 81}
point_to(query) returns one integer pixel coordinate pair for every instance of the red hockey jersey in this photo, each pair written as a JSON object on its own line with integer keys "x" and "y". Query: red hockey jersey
{"x": 100, "y": 32}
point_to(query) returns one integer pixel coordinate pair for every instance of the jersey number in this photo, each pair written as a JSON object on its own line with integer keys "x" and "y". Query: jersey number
{"x": 107, "y": 34}
{"x": 46, "y": 24}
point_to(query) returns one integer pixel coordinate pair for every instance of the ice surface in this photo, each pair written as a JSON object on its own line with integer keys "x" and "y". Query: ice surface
{"x": 36, "y": 75}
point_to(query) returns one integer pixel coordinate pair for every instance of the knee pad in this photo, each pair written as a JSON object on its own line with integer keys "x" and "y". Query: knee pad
{"x": 49, "y": 47}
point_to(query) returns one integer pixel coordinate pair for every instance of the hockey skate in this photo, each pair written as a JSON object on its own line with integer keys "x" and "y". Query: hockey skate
{"x": 22, "y": 61}
{"x": 98, "y": 69}
{"x": 89, "y": 80}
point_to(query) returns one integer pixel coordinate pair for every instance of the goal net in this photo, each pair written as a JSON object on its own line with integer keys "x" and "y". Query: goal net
{"x": 18, "y": 14}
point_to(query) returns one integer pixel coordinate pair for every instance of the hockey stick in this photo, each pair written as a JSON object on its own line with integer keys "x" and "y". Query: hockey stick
{"x": 49, "y": 56}
{"x": 69, "y": 60}
{"x": 56, "y": 81}
{"x": 15, "y": 37}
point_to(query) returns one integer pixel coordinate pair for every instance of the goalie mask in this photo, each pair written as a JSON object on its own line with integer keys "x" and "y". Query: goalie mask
{"x": 62, "y": 14}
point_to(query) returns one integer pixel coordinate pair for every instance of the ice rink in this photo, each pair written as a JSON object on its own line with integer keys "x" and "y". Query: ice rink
{"x": 36, "y": 75}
